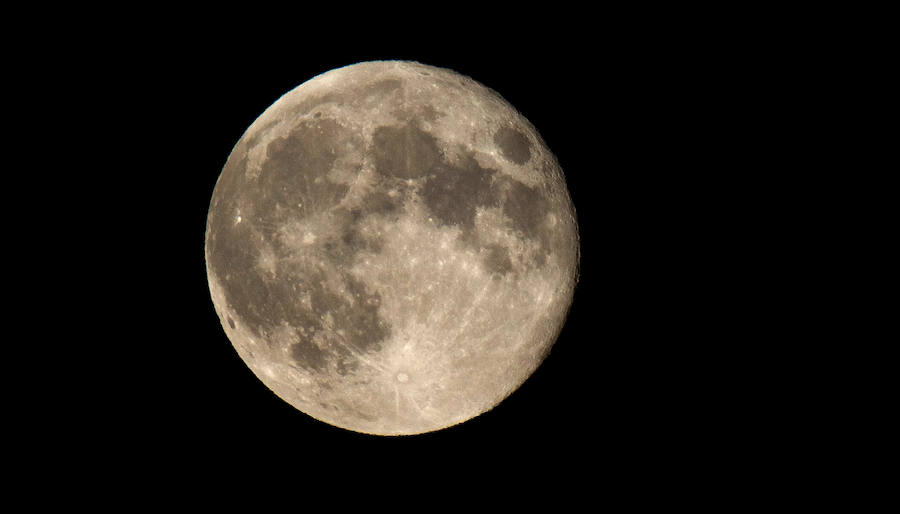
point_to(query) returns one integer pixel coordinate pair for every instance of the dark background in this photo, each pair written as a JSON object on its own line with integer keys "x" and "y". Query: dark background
{"x": 691, "y": 140}
{"x": 627, "y": 382}
{"x": 208, "y": 398}
{"x": 561, "y": 403}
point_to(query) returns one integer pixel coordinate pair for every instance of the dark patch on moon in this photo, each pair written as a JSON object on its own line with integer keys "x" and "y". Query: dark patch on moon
{"x": 527, "y": 209}
{"x": 354, "y": 325}
{"x": 496, "y": 259}
{"x": 353, "y": 241}
{"x": 405, "y": 152}
{"x": 230, "y": 322}
{"x": 346, "y": 366}
{"x": 525, "y": 206}
{"x": 349, "y": 240}
{"x": 379, "y": 202}
{"x": 296, "y": 165}
{"x": 308, "y": 355}
{"x": 364, "y": 328}
{"x": 514, "y": 146}
{"x": 295, "y": 170}
{"x": 455, "y": 191}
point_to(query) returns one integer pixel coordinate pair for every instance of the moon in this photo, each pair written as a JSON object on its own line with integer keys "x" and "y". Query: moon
{"x": 391, "y": 248}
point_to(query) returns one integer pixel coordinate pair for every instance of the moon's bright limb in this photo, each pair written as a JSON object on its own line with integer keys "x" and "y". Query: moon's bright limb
{"x": 391, "y": 248}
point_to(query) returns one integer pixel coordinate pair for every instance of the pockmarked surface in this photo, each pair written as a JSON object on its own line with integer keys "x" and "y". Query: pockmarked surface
{"x": 391, "y": 248}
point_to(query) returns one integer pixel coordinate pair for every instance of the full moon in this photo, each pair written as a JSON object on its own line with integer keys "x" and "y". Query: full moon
{"x": 391, "y": 248}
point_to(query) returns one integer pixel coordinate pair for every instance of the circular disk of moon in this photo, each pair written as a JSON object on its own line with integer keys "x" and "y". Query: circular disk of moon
{"x": 391, "y": 248}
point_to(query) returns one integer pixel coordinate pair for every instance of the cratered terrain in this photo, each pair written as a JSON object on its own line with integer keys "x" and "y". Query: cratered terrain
{"x": 391, "y": 248}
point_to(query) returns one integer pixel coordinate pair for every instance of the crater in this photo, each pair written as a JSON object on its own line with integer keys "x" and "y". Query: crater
{"x": 514, "y": 146}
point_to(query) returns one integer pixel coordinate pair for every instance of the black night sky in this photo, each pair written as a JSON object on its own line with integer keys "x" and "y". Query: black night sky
{"x": 622, "y": 384}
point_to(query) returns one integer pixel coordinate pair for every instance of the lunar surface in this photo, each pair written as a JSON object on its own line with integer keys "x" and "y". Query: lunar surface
{"x": 391, "y": 248}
